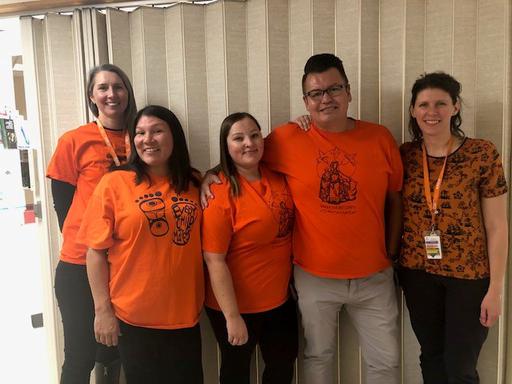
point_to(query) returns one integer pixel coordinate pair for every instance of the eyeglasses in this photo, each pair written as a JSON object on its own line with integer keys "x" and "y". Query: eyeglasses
{"x": 318, "y": 94}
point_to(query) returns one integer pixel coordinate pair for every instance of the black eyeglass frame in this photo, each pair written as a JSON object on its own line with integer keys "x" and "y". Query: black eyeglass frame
{"x": 337, "y": 89}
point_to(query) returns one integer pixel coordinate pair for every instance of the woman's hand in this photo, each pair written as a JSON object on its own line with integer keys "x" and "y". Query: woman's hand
{"x": 206, "y": 193}
{"x": 490, "y": 309}
{"x": 303, "y": 122}
{"x": 106, "y": 328}
{"x": 237, "y": 331}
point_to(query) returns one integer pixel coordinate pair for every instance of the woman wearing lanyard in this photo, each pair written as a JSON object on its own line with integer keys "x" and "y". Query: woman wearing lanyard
{"x": 454, "y": 250}
{"x": 247, "y": 247}
{"x": 144, "y": 264}
{"x": 82, "y": 157}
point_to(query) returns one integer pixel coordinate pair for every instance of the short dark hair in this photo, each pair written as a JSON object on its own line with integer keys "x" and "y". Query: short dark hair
{"x": 131, "y": 108}
{"x": 445, "y": 82}
{"x": 227, "y": 164}
{"x": 320, "y": 63}
{"x": 181, "y": 172}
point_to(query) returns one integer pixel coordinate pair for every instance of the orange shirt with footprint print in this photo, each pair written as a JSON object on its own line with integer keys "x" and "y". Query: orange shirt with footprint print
{"x": 154, "y": 249}
{"x": 254, "y": 231}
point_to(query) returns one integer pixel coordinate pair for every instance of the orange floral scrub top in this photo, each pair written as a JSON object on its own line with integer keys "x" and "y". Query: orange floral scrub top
{"x": 473, "y": 171}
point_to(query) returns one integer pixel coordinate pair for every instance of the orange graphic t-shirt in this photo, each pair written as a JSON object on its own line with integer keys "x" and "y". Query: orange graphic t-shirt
{"x": 81, "y": 159}
{"x": 339, "y": 182}
{"x": 254, "y": 231}
{"x": 474, "y": 171}
{"x": 154, "y": 249}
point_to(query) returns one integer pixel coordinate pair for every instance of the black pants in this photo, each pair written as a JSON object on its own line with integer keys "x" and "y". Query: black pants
{"x": 77, "y": 310}
{"x": 445, "y": 314}
{"x": 161, "y": 356}
{"x": 274, "y": 330}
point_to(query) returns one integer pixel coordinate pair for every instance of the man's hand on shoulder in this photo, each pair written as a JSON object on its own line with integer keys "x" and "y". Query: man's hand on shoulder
{"x": 303, "y": 121}
{"x": 211, "y": 177}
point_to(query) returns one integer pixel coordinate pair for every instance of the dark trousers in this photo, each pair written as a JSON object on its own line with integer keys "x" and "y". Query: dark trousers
{"x": 161, "y": 356}
{"x": 276, "y": 333}
{"x": 445, "y": 314}
{"x": 77, "y": 311}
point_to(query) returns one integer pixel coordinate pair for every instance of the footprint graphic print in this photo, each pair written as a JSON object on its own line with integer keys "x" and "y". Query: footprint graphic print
{"x": 153, "y": 207}
{"x": 185, "y": 214}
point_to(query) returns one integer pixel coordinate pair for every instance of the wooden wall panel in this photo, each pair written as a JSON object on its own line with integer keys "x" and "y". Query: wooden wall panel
{"x": 236, "y": 55}
{"x": 414, "y": 49}
{"x": 226, "y": 66}
{"x": 301, "y": 28}
{"x": 99, "y": 33}
{"x": 137, "y": 58}
{"x": 278, "y": 56}
{"x": 391, "y": 48}
{"x": 216, "y": 74}
{"x": 323, "y": 18}
{"x": 195, "y": 85}
{"x": 491, "y": 68}
{"x": 348, "y": 28}
{"x": 148, "y": 58}
{"x": 438, "y": 35}
{"x": 369, "y": 61}
{"x": 175, "y": 57}
{"x": 64, "y": 83}
{"x": 258, "y": 63}
{"x": 312, "y": 30}
{"x": 118, "y": 39}
{"x": 464, "y": 58}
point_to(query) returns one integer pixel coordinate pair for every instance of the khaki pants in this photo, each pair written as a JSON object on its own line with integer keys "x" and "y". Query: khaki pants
{"x": 370, "y": 303}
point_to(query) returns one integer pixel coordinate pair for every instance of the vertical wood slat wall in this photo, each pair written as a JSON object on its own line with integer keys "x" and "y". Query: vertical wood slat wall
{"x": 207, "y": 61}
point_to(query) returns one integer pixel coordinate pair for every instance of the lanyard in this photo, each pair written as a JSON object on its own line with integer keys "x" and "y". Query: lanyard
{"x": 432, "y": 201}
{"x": 109, "y": 144}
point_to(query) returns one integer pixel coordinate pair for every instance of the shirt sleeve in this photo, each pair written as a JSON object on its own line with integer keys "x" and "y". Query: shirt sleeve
{"x": 274, "y": 153}
{"x": 217, "y": 225}
{"x": 397, "y": 173}
{"x": 492, "y": 176}
{"x": 63, "y": 165}
{"x": 97, "y": 228}
{"x": 62, "y": 194}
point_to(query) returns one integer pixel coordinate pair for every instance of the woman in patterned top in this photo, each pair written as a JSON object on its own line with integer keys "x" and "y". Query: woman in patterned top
{"x": 454, "y": 251}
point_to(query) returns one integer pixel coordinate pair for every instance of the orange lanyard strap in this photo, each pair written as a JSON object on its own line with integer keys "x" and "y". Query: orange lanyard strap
{"x": 432, "y": 201}
{"x": 109, "y": 144}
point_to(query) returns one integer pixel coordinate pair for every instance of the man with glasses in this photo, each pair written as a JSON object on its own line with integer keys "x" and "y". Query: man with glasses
{"x": 344, "y": 174}
{"x": 345, "y": 177}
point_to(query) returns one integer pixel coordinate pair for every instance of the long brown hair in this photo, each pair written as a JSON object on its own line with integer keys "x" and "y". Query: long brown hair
{"x": 226, "y": 162}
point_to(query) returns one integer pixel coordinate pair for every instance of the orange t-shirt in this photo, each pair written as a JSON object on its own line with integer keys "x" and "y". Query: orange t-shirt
{"x": 81, "y": 159}
{"x": 254, "y": 231}
{"x": 338, "y": 182}
{"x": 154, "y": 249}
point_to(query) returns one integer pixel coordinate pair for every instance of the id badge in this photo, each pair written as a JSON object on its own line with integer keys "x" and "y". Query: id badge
{"x": 433, "y": 245}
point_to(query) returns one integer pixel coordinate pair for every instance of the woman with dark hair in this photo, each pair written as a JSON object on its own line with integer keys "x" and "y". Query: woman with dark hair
{"x": 144, "y": 263}
{"x": 454, "y": 250}
{"x": 247, "y": 247}
{"x": 82, "y": 157}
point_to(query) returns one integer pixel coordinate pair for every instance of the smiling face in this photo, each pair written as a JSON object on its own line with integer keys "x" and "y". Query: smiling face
{"x": 154, "y": 144}
{"x": 433, "y": 110}
{"x": 329, "y": 111}
{"x": 245, "y": 145}
{"x": 110, "y": 96}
